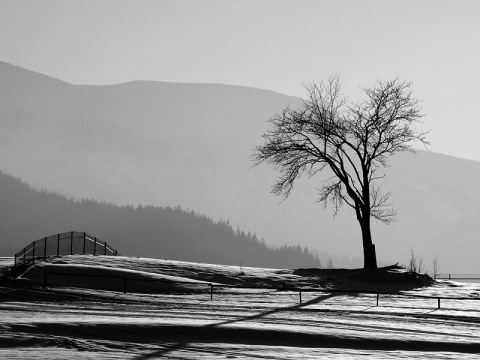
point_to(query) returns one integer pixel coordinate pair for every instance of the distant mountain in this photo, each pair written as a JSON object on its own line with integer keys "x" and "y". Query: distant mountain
{"x": 165, "y": 144}
{"x": 146, "y": 231}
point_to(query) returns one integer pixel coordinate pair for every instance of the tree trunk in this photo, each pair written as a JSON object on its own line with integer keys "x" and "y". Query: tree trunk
{"x": 369, "y": 254}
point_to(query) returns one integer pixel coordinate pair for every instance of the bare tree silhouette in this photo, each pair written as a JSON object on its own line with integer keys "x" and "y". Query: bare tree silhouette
{"x": 350, "y": 141}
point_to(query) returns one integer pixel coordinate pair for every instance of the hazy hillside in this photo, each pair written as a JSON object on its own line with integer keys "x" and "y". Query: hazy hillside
{"x": 171, "y": 144}
{"x": 173, "y": 233}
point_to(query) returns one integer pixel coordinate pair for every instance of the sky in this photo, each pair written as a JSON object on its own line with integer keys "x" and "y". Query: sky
{"x": 276, "y": 45}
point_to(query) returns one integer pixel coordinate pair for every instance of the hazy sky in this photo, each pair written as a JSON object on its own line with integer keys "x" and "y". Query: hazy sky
{"x": 276, "y": 45}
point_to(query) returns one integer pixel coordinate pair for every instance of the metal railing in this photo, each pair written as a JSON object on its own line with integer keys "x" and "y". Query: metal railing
{"x": 68, "y": 243}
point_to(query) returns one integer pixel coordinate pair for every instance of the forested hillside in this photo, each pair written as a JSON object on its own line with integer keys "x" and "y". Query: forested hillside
{"x": 147, "y": 231}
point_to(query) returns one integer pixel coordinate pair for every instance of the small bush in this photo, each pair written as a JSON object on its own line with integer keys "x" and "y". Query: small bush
{"x": 436, "y": 267}
{"x": 415, "y": 265}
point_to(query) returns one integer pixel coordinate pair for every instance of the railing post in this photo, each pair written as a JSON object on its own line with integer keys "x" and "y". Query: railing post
{"x": 58, "y": 245}
{"x": 84, "y": 242}
{"x": 377, "y": 298}
{"x": 45, "y": 250}
{"x": 105, "y": 250}
{"x": 300, "y": 293}
{"x": 211, "y": 291}
{"x": 33, "y": 253}
{"x": 94, "y": 245}
{"x": 71, "y": 243}
{"x": 439, "y": 303}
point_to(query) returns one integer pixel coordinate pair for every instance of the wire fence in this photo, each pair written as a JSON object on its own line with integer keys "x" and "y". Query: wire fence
{"x": 460, "y": 277}
{"x": 131, "y": 285}
{"x": 68, "y": 243}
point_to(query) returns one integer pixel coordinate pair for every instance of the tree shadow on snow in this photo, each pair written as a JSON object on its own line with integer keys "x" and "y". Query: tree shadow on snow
{"x": 204, "y": 333}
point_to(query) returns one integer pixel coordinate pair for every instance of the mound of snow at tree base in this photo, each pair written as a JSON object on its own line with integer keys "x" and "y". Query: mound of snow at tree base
{"x": 155, "y": 275}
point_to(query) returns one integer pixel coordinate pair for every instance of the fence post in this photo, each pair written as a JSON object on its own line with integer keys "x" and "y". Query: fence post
{"x": 377, "y": 298}
{"x": 71, "y": 243}
{"x": 45, "y": 250}
{"x": 84, "y": 242}
{"x": 33, "y": 253}
{"x": 211, "y": 291}
{"x": 94, "y": 245}
{"x": 449, "y": 276}
{"x": 300, "y": 293}
{"x": 105, "y": 250}
{"x": 439, "y": 303}
{"x": 58, "y": 245}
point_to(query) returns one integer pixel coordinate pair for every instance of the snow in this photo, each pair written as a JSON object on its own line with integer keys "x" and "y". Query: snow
{"x": 65, "y": 322}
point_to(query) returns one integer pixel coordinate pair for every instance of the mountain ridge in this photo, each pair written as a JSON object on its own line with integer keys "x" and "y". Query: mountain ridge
{"x": 150, "y": 143}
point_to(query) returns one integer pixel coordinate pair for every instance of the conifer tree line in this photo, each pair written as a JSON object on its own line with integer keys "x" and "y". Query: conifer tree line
{"x": 145, "y": 231}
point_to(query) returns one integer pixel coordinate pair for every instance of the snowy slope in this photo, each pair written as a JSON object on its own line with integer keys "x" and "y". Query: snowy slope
{"x": 72, "y": 323}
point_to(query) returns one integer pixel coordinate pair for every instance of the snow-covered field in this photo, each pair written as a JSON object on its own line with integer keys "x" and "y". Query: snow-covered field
{"x": 184, "y": 322}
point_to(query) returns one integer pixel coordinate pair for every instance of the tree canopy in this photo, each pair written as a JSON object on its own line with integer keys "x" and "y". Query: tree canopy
{"x": 353, "y": 140}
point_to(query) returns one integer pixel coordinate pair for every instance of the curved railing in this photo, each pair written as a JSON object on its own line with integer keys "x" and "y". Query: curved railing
{"x": 68, "y": 243}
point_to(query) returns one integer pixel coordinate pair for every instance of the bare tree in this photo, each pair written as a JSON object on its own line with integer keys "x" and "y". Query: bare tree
{"x": 436, "y": 267}
{"x": 415, "y": 265}
{"x": 412, "y": 263}
{"x": 420, "y": 265}
{"x": 351, "y": 141}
